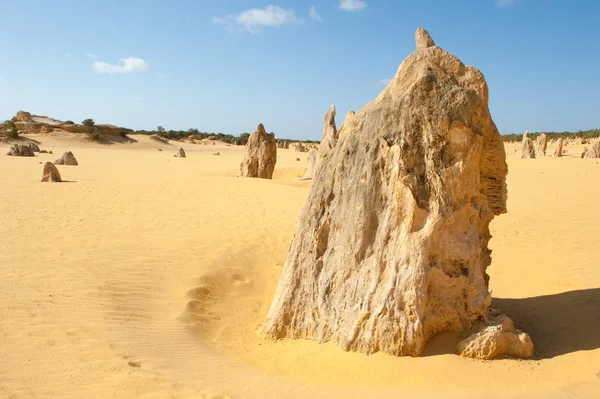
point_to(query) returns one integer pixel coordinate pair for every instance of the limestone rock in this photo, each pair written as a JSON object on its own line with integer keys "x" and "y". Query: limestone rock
{"x": 499, "y": 338}
{"x": 180, "y": 153}
{"x": 283, "y": 144}
{"x": 50, "y": 152}
{"x": 261, "y": 155}
{"x": 312, "y": 160}
{"x": 217, "y": 153}
{"x": 391, "y": 246}
{"x": 423, "y": 39}
{"x": 541, "y": 145}
{"x": 43, "y": 152}
{"x": 34, "y": 147}
{"x": 527, "y": 149}
{"x": 67, "y": 159}
{"x": 50, "y": 173}
{"x": 593, "y": 152}
{"x": 20, "y": 150}
{"x": 558, "y": 152}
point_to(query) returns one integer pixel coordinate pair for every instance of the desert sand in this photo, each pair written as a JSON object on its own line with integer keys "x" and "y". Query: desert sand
{"x": 145, "y": 275}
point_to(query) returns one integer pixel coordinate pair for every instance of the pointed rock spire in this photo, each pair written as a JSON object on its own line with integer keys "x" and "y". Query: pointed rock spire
{"x": 423, "y": 39}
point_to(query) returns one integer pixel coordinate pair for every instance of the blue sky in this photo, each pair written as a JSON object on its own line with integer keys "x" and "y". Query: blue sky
{"x": 225, "y": 66}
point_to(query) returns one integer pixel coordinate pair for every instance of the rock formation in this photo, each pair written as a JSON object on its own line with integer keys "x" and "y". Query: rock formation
{"x": 527, "y": 149}
{"x": 541, "y": 145}
{"x": 20, "y": 150}
{"x": 180, "y": 153}
{"x": 499, "y": 338}
{"x": 300, "y": 147}
{"x": 312, "y": 160}
{"x": 34, "y": 147}
{"x": 391, "y": 247}
{"x": 67, "y": 159}
{"x": 50, "y": 173}
{"x": 261, "y": 155}
{"x": 283, "y": 144}
{"x": 558, "y": 152}
{"x": 593, "y": 152}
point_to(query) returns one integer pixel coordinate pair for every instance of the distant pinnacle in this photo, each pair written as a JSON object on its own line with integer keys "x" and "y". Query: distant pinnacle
{"x": 423, "y": 39}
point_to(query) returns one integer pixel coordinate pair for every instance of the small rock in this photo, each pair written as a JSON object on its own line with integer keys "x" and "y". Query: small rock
{"x": 19, "y": 150}
{"x": 180, "y": 153}
{"x": 67, "y": 159}
{"x": 216, "y": 153}
{"x": 50, "y": 173}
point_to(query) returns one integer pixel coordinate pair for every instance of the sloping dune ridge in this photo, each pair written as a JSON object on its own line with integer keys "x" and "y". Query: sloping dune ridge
{"x": 145, "y": 275}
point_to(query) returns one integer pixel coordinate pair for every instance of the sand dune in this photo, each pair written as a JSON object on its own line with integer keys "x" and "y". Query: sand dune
{"x": 148, "y": 276}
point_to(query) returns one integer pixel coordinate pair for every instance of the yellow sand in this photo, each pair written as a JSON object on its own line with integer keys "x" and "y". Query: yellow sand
{"x": 148, "y": 276}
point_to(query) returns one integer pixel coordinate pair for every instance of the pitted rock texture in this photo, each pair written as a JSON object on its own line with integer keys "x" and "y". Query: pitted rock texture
{"x": 391, "y": 247}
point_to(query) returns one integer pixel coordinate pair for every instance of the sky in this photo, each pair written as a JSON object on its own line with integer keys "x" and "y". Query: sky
{"x": 226, "y": 65}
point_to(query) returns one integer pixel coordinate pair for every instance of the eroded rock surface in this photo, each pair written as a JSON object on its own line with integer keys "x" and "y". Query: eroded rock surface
{"x": 498, "y": 338}
{"x": 310, "y": 168}
{"x": 20, "y": 150}
{"x": 541, "y": 145}
{"x": 50, "y": 173}
{"x": 261, "y": 154}
{"x": 558, "y": 151}
{"x": 527, "y": 149}
{"x": 391, "y": 247}
{"x": 180, "y": 153}
{"x": 67, "y": 159}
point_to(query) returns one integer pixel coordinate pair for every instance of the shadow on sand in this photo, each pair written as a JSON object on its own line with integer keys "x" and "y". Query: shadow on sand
{"x": 558, "y": 324}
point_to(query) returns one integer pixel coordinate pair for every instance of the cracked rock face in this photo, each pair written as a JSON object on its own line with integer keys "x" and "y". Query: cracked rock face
{"x": 391, "y": 247}
{"x": 261, "y": 155}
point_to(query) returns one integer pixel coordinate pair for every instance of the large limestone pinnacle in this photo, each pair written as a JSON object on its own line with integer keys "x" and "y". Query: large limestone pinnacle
{"x": 391, "y": 247}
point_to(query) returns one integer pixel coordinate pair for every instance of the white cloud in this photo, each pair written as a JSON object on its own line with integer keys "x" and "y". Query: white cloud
{"x": 385, "y": 82}
{"x": 128, "y": 65}
{"x": 505, "y": 3}
{"x": 253, "y": 19}
{"x": 90, "y": 55}
{"x": 352, "y": 5}
{"x": 313, "y": 14}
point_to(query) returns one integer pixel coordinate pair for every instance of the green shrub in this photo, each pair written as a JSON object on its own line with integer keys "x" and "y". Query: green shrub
{"x": 95, "y": 136}
{"x": 13, "y": 133}
{"x": 69, "y": 123}
{"x": 89, "y": 122}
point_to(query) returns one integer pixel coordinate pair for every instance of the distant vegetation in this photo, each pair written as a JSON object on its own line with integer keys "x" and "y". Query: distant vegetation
{"x": 584, "y": 134}
{"x": 11, "y": 129}
{"x": 241, "y": 139}
{"x": 89, "y": 122}
{"x": 69, "y": 123}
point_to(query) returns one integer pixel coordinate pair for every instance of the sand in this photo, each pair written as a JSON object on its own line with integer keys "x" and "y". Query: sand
{"x": 147, "y": 275}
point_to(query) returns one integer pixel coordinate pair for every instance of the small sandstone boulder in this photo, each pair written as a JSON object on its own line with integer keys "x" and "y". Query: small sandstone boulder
{"x": 261, "y": 155}
{"x": 67, "y": 159}
{"x": 20, "y": 150}
{"x": 50, "y": 173}
{"x": 180, "y": 153}
{"x": 216, "y": 153}
{"x": 50, "y": 152}
{"x": 498, "y": 338}
{"x": 43, "y": 152}
{"x": 34, "y": 147}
